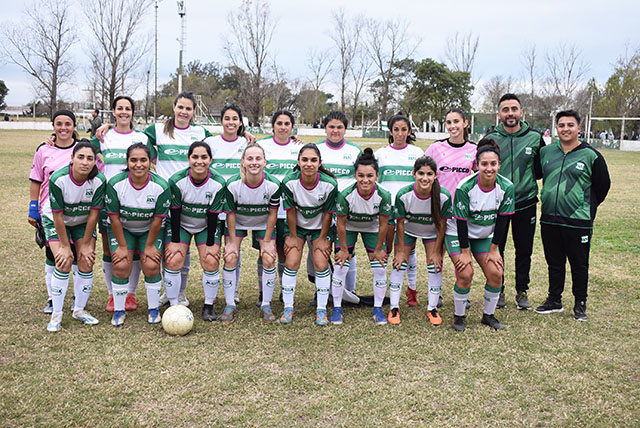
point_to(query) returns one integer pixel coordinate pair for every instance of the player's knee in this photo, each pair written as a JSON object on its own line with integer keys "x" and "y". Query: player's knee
{"x": 151, "y": 268}
{"x": 268, "y": 261}
{"x": 175, "y": 263}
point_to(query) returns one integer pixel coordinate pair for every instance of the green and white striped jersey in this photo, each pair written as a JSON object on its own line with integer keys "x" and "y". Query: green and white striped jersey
{"x": 363, "y": 214}
{"x": 416, "y": 211}
{"x": 74, "y": 199}
{"x": 196, "y": 199}
{"x": 252, "y": 204}
{"x": 310, "y": 203}
{"x": 226, "y": 154}
{"x": 396, "y": 166}
{"x": 114, "y": 149}
{"x": 137, "y": 207}
{"x": 481, "y": 207}
{"x": 340, "y": 161}
{"x": 172, "y": 152}
{"x": 281, "y": 159}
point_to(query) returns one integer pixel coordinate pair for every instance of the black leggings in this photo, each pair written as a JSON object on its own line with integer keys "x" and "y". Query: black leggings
{"x": 523, "y": 228}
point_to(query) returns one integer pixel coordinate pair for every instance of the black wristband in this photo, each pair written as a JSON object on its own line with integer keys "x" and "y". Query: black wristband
{"x": 463, "y": 233}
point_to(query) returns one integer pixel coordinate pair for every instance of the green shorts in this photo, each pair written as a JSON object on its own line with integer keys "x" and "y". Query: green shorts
{"x": 200, "y": 237}
{"x": 369, "y": 239}
{"x": 410, "y": 241}
{"x": 278, "y": 233}
{"x": 135, "y": 240}
{"x": 477, "y": 246}
{"x": 73, "y": 232}
{"x": 306, "y": 234}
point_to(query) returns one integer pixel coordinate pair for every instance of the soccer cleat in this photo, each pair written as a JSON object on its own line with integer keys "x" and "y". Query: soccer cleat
{"x": 130, "y": 304}
{"x": 208, "y": 314}
{"x": 287, "y": 316}
{"x": 412, "y": 295}
{"x": 468, "y": 304}
{"x": 118, "y": 318}
{"x": 84, "y": 316}
{"x": 228, "y": 314}
{"x": 336, "y": 316}
{"x": 378, "y": 316}
{"x": 49, "y": 308}
{"x": 434, "y": 317}
{"x": 492, "y": 322}
{"x": 109, "y": 307}
{"x": 182, "y": 299}
{"x": 163, "y": 300}
{"x": 55, "y": 324}
{"x": 267, "y": 314}
{"x": 439, "y": 305}
{"x": 321, "y": 317}
{"x": 522, "y": 301}
{"x": 580, "y": 310}
{"x": 394, "y": 316}
{"x": 550, "y": 306}
{"x": 502, "y": 301}
{"x": 459, "y": 322}
{"x": 154, "y": 316}
{"x": 259, "y": 301}
{"x": 314, "y": 301}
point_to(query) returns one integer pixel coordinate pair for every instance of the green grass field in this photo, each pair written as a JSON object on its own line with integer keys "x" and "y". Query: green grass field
{"x": 543, "y": 370}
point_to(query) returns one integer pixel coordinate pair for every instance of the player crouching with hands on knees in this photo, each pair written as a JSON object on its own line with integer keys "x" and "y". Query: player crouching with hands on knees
{"x": 482, "y": 207}
{"x": 197, "y": 197}
{"x": 76, "y": 196}
{"x": 362, "y": 208}
{"x": 137, "y": 201}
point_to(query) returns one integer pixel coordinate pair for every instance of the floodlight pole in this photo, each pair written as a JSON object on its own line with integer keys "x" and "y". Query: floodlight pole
{"x": 181, "y": 12}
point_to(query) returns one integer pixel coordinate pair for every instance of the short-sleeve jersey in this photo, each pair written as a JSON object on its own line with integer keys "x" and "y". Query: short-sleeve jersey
{"x": 137, "y": 207}
{"x": 114, "y": 149}
{"x": 226, "y": 154}
{"x": 196, "y": 199}
{"x": 281, "y": 159}
{"x": 171, "y": 153}
{"x": 252, "y": 204}
{"x": 416, "y": 211}
{"x": 396, "y": 166}
{"x": 455, "y": 162}
{"x": 46, "y": 161}
{"x": 340, "y": 161}
{"x": 310, "y": 203}
{"x": 481, "y": 207}
{"x": 363, "y": 214}
{"x": 74, "y": 199}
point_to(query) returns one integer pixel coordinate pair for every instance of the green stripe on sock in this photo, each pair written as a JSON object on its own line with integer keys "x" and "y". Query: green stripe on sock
{"x": 106, "y": 258}
{"x": 151, "y": 280}
{"x": 119, "y": 281}
{"x": 461, "y": 290}
{"x": 491, "y": 289}
{"x": 171, "y": 271}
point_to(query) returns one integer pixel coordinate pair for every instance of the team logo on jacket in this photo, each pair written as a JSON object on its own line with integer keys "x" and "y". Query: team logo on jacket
{"x": 580, "y": 166}
{"x": 528, "y": 151}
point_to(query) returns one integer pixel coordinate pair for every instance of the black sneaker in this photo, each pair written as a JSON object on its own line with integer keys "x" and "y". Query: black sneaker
{"x": 580, "y": 311}
{"x": 502, "y": 301}
{"x": 49, "y": 308}
{"x": 550, "y": 306}
{"x": 259, "y": 301}
{"x": 314, "y": 301}
{"x": 439, "y": 305}
{"x": 208, "y": 314}
{"x": 459, "y": 322}
{"x": 492, "y": 322}
{"x": 522, "y": 301}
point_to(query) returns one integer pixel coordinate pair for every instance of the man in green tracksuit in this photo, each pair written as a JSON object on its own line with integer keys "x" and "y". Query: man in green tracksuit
{"x": 519, "y": 155}
{"x": 575, "y": 180}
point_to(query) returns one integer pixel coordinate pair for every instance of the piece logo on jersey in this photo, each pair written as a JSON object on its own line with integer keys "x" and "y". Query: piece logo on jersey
{"x": 528, "y": 151}
{"x": 580, "y": 166}
{"x": 208, "y": 196}
{"x": 173, "y": 152}
{"x": 88, "y": 193}
{"x": 454, "y": 169}
{"x": 112, "y": 155}
{"x": 151, "y": 199}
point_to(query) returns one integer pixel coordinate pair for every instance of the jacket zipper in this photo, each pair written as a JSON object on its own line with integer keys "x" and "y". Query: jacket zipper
{"x": 564, "y": 157}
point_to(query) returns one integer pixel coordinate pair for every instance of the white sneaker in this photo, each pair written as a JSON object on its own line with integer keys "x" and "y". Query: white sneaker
{"x": 84, "y": 316}
{"x": 55, "y": 324}
{"x": 182, "y": 299}
{"x": 163, "y": 300}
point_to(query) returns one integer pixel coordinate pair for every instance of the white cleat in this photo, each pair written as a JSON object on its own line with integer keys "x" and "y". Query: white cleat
{"x": 55, "y": 324}
{"x": 84, "y": 316}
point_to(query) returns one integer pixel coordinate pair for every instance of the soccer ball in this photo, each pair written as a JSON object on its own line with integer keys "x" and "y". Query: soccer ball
{"x": 177, "y": 320}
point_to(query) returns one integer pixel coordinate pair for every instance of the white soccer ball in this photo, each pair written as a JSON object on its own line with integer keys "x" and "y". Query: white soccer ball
{"x": 177, "y": 320}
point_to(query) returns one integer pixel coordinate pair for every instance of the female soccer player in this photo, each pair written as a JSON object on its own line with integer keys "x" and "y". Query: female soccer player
{"x": 421, "y": 210}
{"x": 137, "y": 201}
{"x": 47, "y": 159}
{"x": 197, "y": 195}
{"x": 482, "y": 206}
{"x": 114, "y": 149}
{"x": 70, "y": 215}
{"x": 309, "y": 193}
{"x": 253, "y": 199}
{"x": 362, "y": 208}
{"x": 396, "y": 163}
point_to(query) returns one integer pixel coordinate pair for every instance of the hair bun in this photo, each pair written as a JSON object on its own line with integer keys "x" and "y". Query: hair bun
{"x": 368, "y": 151}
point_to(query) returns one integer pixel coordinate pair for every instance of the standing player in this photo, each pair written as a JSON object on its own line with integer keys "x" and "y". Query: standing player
{"x": 520, "y": 150}
{"x": 421, "y": 210}
{"x": 197, "y": 197}
{"x": 362, "y": 208}
{"x": 253, "y": 199}
{"x": 137, "y": 202}
{"x": 575, "y": 181}
{"x": 70, "y": 216}
{"x": 482, "y": 206}
{"x": 309, "y": 193}
{"x": 396, "y": 163}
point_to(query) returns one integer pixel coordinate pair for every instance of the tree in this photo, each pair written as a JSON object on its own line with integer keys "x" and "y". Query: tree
{"x": 319, "y": 64}
{"x": 247, "y": 49}
{"x": 118, "y": 46}
{"x": 3, "y": 93}
{"x": 528, "y": 58}
{"x": 493, "y": 89}
{"x": 360, "y": 72}
{"x": 346, "y": 37}
{"x": 461, "y": 50}
{"x": 40, "y": 46}
{"x": 567, "y": 71}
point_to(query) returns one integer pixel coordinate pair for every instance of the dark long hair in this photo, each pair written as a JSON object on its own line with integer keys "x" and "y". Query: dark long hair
{"x": 170, "y": 124}
{"x": 137, "y": 146}
{"x": 84, "y": 144}
{"x": 280, "y": 113}
{"x": 133, "y": 105}
{"x": 314, "y": 147}
{"x": 436, "y": 212}
{"x": 235, "y": 108}
{"x": 366, "y": 158}
{"x": 401, "y": 117}
{"x": 461, "y": 113}
{"x": 487, "y": 145}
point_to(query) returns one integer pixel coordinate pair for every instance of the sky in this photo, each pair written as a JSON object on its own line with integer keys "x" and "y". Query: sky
{"x": 601, "y": 30}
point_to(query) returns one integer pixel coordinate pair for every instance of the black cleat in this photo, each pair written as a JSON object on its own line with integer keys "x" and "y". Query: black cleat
{"x": 459, "y": 322}
{"x": 208, "y": 314}
{"x": 580, "y": 310}
{"x": 492, "y": 322}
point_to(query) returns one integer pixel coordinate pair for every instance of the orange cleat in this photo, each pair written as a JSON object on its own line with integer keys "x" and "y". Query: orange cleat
{"x": 412, "y": 297}
{"x": 394, "y": 316}
{"x": 109, "y": 307}
{"x": 434, "y": 317}
{"x": 130, "y": 304}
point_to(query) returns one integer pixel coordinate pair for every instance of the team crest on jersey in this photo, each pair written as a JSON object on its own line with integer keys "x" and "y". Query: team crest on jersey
{"x": 194, "y": 138}
{"x": 580, "y": 166}
{"x": 584, "y": 239}
{"x": 151, "y": 199}
{"x": 53, "y": 198}
{"x": 468, "y": 156}
{"x": 265, "y": 196}
{"x": 376, "y": 206}
{"x": 507, "y": 201}
{"x": 386, "y": 207}
{"x": 107, "y": 199}
{"x": 338, "y": 207}
{"x": 320, "y": 198}
{"x": 89, "y": 193}
{"x": 347, "y": 157}
{"x": 528, "y": 151}
{"x": 460, "y": 206}
{"x": 208, "y": 196}
{"x": 412, "y": 157}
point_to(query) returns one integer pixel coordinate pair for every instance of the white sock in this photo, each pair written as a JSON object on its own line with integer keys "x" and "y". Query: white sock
{"x": 288, "y": 286}
{"x": 268, "y": 281}
{"x": 172, "y": 280}
{"x": 260, "y": 269}
{"x": 323, "y": 285}
{"x": 460, "y": 296}
{"x": 491, "y": 296}
{"x": 338, "y": 283}
{"x": 280, "y": 269}
{"x": 119, "y": 292}
{"x": 395, "y": 285}
{"x": 435, "y": 285}
{"x": 82, "y": 289}
{"x": 229, "y": 285}
{"x": 134, "y": 276}
{"x": 210, "y": 283}
{"x": 352, "y": 275}
{"x": 379, "y": 282}
{"x": 59, "y": 285}
{"x": 48, "y": 274}
{"x": 184, "y": 272}
{"x": 107, "y": 269}
{"x": 154, "y": 289}
{"x": 412, "y": 270}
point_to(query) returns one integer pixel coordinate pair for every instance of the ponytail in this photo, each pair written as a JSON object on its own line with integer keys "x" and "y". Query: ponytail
{"x": 436, "y": 209}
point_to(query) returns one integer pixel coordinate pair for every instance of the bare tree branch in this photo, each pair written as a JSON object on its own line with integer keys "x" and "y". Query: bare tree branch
{"x": 346, "y": 36}
{"x": 567, "y": 71}
{"x": 461, "y": 50}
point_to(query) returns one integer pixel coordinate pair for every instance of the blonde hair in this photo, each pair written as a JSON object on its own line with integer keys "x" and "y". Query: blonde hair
{"x": 243, "y": 172}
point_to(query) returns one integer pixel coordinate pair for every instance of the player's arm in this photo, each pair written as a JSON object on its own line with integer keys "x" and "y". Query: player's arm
{"x": 34, "y": 203}
{"x": 341, "y": 227}
{"x": 64, "y": 255}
